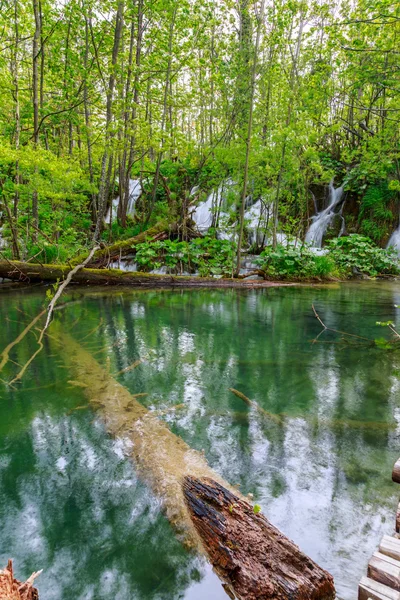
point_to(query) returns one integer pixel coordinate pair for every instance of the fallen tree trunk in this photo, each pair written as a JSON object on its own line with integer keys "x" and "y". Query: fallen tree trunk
{"x": 258, "y": 560}
{"x": 113, "y": 252}
{"x": 12, "y": 589}
{"x": 28, "y": 272}
{"x": 254, "y": 559}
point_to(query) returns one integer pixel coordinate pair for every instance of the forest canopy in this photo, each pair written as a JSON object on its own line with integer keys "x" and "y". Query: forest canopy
{"x": 183, "y": 95}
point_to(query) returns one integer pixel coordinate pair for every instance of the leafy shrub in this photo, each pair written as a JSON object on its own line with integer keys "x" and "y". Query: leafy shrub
{"x": 296, "y": 262}
{"x": 207, "y": 255}
{"x": 357, "y": 253}
{"x": 375, "y": 216}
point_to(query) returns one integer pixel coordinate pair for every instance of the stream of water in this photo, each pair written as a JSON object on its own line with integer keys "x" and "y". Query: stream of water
{"x": 71, "y": 503}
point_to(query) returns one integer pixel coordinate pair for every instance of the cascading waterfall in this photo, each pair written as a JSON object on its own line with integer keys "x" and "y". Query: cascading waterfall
{"x": 257, "y": 218}
{"x": 394, "y": 241}
{"x": 215, "y": 204}
{"x": 135, "y": 189}
{"x": 322, "y": 220}
{"x": 256, "y": 215}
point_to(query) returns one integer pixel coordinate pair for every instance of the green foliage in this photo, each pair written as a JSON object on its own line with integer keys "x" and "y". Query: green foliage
{"x": 256, "y": 509}
{"x": 208, "y": 256}
{"x": 296, "y": 263}
{"x": 345, "y": 257}
{"x": 375, "y": 216}
{"x": 358, "y": 254}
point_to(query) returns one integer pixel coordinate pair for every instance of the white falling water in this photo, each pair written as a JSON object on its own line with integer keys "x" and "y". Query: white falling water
{"x": 135, "y": 189}
{"x": 394, "y": 241}
{"x": 205, "y": 213}
{"x": 257, "y": 218}
{"x": 322, "y": 220}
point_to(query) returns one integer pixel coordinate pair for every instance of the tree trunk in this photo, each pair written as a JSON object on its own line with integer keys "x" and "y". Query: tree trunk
{"x": 252, "y": 557}
{"x": 35, "y": 90}
{"x": 164, "y": 114}
{"x": 107, "y": 155}
{"x": 287, "y": 123}
{"x": 249, "y": 553}
{"x": 12, "y": 589}
{"x": 248, "y": 138}
{"x": 15, "y": 72}
{"x": 31, "y": 273}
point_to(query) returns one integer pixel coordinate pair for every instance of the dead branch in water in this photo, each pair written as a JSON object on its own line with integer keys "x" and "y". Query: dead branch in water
{"x": 50, "y": 309}
{"x": 326, "y": 328}
{"x": 6, "y": 352}
{"x": 12, "y": 589}
{"x": 257, "y": 407}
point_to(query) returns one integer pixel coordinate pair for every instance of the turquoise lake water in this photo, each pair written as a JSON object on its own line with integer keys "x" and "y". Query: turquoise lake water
{"x": 72, "y": 504}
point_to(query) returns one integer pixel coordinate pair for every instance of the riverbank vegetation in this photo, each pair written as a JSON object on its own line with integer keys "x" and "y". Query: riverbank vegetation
{"x": 119, "y": 117}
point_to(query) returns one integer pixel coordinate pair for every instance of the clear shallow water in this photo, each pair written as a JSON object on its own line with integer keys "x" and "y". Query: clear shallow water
{"x": 70, "y": 502}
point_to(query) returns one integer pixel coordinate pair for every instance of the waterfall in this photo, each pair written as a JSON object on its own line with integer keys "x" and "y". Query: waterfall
{"x": 135, "y": 189}
{"x": 394, "y": 241}
{"x": 322, "y": 220}
{"x": 204, "y": 214}
{"x": 257, "y": 216}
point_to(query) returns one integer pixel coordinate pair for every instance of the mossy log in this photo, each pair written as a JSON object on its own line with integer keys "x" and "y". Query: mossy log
{"x": 31, "y": 273}
{"x": 253, "y": 559}
{"x": 113, "y": 252}
{"x": 12, "y": 589}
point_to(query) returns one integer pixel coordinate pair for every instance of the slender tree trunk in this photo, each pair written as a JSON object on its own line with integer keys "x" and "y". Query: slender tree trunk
{"x": 87, "y": 116}
{"x": 164, "y": 114}
{"x": 249, "y": 133}
{"x": 35, "y": 89}
{"x": 15, "y": 72}
{"x": 287, "y": 123}
{"x": 107, "y": 155}
{"x": 11, "y": 221}
{"x": 130, "y": 116}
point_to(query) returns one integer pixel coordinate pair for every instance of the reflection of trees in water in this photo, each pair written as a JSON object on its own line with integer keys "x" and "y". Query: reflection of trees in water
{"x": 320, "y": 478}
{"x": 72, "y": 505}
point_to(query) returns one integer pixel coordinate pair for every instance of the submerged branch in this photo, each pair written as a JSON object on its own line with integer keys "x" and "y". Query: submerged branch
{"x": 326, "y": 328}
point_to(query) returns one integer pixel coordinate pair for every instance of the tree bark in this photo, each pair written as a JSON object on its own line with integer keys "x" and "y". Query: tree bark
{"x": 31, "y": 273}
{"x": 250, "y": 555}
{"x": 164, "y": 114}
{"x": 35, "y": 90}
{"x": 107, "y": 155}
{"x": 12, "y": 589}
{"x": 248, "y": 138}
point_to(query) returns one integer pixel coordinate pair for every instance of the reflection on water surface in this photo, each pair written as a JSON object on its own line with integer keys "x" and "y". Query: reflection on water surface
{"x": 70, "y": 502}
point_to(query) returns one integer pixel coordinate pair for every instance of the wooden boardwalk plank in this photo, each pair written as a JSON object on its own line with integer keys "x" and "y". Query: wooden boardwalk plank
{"x": 373, "y": 590}
{"x": 385, "y": 569}
{"x": 390, "y": 546}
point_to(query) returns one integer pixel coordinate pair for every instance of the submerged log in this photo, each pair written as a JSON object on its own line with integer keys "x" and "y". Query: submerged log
{"x": 246, "y": 550}
{"x": 249, "y": 552}
{"x": 28, "y": 272}
{"x": 12, "y": 589}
